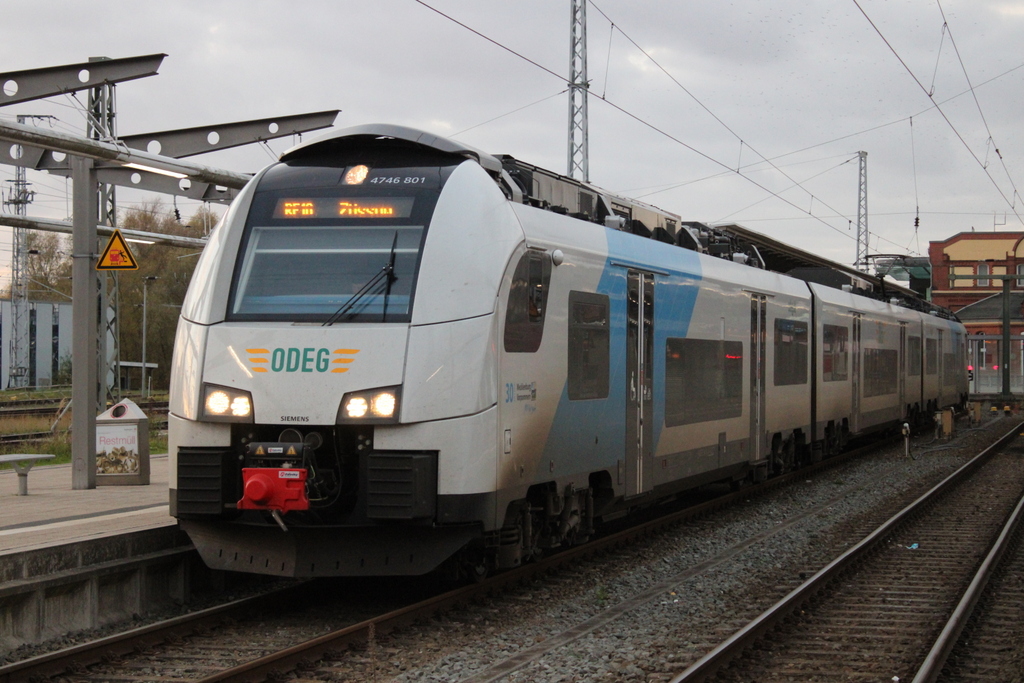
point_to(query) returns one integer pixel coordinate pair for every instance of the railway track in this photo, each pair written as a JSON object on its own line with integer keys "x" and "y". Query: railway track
{"x": 887, "y": 609}
{"x": 52, "y": 408}
{"x": 212, "y": 646}
{"x": 990, "y": 649}
{"x": 47, "y": 408}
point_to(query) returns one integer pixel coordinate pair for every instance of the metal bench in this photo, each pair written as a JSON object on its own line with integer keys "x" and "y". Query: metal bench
{"x": 23, "y": 462}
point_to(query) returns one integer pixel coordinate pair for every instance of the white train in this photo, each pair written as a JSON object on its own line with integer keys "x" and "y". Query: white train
{"x": 399, "y": 353}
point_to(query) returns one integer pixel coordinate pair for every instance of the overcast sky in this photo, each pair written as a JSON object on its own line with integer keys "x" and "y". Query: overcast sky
{"x": 804, "y": 83}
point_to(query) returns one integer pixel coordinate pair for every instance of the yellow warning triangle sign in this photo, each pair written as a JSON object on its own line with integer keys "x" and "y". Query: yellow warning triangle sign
{"x": 117, "y": 255}
{"x": 291, "y": 451}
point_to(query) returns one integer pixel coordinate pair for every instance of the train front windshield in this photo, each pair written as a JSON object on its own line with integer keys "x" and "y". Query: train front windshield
{"x": 334, "y": 245}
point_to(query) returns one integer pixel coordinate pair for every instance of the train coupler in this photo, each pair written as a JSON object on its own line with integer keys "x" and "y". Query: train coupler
{"x": 277, "y": 489}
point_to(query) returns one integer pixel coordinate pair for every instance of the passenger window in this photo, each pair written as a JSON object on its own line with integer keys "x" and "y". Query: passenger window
{"x": 588, "y": 346}
{"x": 703, "y": 380}
{"x": 527, "y": 303}
{"x": 881, "y": 372}
{"x": 914, "y": 356}
{"x": 835, "y": 353}
{"x": 931, "y": 357}
{"x": 790, "y": 352}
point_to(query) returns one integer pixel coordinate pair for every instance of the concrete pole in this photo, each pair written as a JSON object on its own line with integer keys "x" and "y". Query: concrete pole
{"x": 84, "y": 316}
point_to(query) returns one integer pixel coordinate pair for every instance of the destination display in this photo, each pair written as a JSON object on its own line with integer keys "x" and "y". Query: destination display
{"x": 344, "y": 207}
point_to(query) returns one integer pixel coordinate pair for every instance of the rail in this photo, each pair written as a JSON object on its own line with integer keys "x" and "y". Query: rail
{"x": 261, "y": 668}
{"x": 730, "y": 649}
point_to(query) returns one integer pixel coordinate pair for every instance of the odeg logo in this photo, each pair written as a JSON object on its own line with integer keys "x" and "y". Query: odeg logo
{"x": 294, "y": 359}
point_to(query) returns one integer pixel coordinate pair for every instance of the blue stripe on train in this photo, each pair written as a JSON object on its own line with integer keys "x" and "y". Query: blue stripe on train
{"x": 591, "y": 434}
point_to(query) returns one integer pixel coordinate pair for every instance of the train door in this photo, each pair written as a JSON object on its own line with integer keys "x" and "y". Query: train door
{"x": 639, "y": 383}
{"x": 758, "y": 342}
{"x": 855, "y": 376}
{"x": 903, "y": 370}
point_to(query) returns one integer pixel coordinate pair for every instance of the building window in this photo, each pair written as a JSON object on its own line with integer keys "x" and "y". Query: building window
{"x": 982, "y": 270}
{"x": 1020, "y": 271}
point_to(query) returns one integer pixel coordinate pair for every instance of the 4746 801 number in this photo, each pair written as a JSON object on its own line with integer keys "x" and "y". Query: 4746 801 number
{"x": 399, "y": 180}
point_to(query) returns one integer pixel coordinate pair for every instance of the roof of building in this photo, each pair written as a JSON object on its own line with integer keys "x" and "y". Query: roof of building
{"x": 991, "y": 308}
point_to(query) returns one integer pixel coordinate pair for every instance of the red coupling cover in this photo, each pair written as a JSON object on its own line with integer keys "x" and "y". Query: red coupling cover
{"x": 273, "y": 488}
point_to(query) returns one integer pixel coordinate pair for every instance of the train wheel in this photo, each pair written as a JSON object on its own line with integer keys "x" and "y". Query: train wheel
{"x": 475, "y": 566}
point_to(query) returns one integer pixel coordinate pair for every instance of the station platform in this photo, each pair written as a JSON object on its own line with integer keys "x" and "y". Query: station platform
{"x": 54, "y": 514}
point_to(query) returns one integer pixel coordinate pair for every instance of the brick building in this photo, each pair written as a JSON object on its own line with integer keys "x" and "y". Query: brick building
{"x": 978, "y": 303}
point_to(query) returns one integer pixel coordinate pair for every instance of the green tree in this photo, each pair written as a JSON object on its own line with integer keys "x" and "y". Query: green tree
{"x": 47, "y": 267}
{"x": 172, "y": 267}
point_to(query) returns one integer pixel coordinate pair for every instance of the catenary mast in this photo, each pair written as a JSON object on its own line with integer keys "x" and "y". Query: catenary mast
{"x": 862, "y": 214}
{"x": 579, "y": 162}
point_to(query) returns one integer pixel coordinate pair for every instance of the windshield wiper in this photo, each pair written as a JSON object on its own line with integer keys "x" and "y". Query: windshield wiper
{"x": 388, "y": 271}
{"x": 390, "y": 268}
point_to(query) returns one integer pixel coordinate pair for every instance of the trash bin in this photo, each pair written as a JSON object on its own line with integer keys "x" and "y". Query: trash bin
{"x": 122, "y": 446}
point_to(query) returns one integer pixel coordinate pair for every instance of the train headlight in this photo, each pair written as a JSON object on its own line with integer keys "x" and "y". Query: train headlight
{"x": 376, "y": 405}
{"x": 223, "y": 404}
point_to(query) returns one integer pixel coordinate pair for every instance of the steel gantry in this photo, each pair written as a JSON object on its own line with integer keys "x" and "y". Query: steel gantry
{"x": 103, "y": 158}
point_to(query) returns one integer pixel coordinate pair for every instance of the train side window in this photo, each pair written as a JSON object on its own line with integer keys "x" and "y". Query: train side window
{"x": 881, "y": 372}
{"x": 703, "y": 380}
{"x": 588, "y": 346}
{"x": 914, "y": 356}
{"x": 835, "y": 353}
{"x": 527, "y": 303}
{"x": 931, "y": 357}
{"x": 790, "y": 352}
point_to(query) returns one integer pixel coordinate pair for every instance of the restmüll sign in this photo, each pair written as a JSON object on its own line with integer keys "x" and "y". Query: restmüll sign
{"x": 122, "y": 446}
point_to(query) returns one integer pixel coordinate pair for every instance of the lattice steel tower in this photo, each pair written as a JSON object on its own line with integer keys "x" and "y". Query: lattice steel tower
{"x": 19, "y": 199}
{"x": 579, "y": 152}
{"x": 862, "y": 215}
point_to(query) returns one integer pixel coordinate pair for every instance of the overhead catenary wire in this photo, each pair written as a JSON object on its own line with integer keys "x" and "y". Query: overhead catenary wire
{"x": 816, "y": 175}
{"x": 939, "y": 109}
{"x": 707, "y": 109}
{"x": 514, "y": 111}
{"x": 977, "y": 103}
{"x": 633, "y": 116}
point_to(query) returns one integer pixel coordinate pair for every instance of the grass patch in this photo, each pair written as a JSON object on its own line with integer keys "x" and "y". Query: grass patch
{"x": 59, "y": 443}
{"x": 60, "y": 446}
